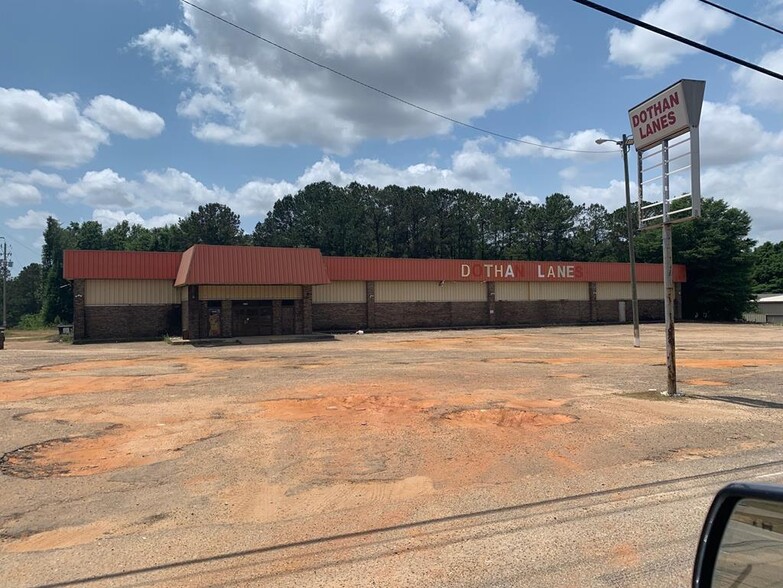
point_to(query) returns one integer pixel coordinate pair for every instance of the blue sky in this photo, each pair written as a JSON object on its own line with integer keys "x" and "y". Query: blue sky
{"x": 142, "y": 109}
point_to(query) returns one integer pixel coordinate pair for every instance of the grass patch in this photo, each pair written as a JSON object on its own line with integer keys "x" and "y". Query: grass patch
{"x": 648, "y": 395}
{"x": 31, "y": 335}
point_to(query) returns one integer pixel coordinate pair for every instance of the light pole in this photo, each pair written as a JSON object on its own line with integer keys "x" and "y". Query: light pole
{"x": 5, "y": 278}
{"x": 625, "y": 145}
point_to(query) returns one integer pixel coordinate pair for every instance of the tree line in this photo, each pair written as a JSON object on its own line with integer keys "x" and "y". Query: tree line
{"x": 724, "y": 269}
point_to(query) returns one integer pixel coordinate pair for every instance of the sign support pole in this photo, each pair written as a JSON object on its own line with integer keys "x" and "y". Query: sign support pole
{"x": 5, "y": 278}
{"x": 668, "y": 279}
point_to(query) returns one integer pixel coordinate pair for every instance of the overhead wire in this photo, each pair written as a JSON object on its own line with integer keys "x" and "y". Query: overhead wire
{"x": 18, "y": 242}
{"x": 742, "y": 16}
{"x": 389, "y": 94}
{"x": 684, "y": 40}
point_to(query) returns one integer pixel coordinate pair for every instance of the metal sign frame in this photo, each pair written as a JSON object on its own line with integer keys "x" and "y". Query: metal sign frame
{"x": 654, "y": 214}
{"x": 677, "y": 108}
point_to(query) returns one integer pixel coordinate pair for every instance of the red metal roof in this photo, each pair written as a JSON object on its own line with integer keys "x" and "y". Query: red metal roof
{"x": 224, "y": 264}
{"x": 220, "y": 264}
{"x": 125, "y": 265}
{"x": 456, "y": 270}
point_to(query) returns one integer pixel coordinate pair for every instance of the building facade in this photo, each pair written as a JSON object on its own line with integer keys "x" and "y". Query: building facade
{"x": 221, "y": 291}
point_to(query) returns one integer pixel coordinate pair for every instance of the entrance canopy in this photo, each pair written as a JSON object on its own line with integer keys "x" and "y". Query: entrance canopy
{"x": 223, "y": 264}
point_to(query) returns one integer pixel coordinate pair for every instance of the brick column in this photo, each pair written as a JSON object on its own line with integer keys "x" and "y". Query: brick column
{"x": 370, "y": 305}
{"x": 307, "y": 309}
{"x": 277, "y": 317}
{"x": 491, "y": 302}
{"x": 79, "y": 318}
{"x": 593, "y": 296}
{"x": 194, "y": 312}
{"x": 226, "y": 318}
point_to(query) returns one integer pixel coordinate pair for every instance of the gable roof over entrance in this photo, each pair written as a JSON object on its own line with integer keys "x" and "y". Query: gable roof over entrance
{"x": 225, "y": 264}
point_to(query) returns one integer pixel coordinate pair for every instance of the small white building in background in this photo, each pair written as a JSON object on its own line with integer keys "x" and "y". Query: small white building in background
{"x": 770, "y": 310}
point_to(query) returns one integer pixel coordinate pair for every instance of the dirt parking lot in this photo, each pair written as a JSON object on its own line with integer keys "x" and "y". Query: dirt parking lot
{"x": 131, "y": 459}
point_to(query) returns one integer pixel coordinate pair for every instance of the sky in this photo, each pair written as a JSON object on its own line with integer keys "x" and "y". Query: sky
{"x": 142, "y": 110}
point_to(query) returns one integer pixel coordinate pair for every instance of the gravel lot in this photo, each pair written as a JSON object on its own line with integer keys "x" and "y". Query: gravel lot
{"x": 148, "y": 464}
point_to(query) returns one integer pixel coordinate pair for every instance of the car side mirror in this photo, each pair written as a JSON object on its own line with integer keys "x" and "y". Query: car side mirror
{"x": 742, "y": 540}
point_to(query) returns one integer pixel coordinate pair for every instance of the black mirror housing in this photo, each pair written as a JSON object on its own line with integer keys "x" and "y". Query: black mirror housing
{"x": 717, "y": 521}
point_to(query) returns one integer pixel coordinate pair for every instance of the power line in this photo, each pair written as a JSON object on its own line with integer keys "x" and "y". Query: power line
{"x": 18, "y": 242}
{"x": 742, "y": 16}
{"x": 665, "y": 33}
{"x": 383, "y": 92}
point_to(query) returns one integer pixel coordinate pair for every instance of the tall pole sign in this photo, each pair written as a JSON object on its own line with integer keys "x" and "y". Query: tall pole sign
{"x": 666, "y": 137}
{"x": 5, "y": 279}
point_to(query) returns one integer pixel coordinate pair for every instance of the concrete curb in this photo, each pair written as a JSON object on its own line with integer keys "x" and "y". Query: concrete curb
{"x": 266, "y": 340}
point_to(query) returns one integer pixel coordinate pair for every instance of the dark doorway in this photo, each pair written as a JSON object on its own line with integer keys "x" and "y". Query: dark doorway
{"x": 287, "y": 317}
{"x": 215, "y": 326}
{"x": 251, "y": 318}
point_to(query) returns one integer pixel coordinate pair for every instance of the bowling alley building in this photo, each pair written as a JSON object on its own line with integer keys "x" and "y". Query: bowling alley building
{"x": 215, "y": 291}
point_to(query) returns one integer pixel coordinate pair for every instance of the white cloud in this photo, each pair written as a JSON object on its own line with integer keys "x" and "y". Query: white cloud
{"x": 175, "y": 192}
{"x": 170, "y": 190}
{"x": 471, "y": 57}
{"x": 651, "y": 53}
{"x": 50, "y": 131}
{"x": 125, "y": 119}
{"x": 101, "y": 188}
{"x": 472, "y": 168}
{"x": 611, "y": 196}
{"x": 16, "y": 194}
{"x": 53, "y": 131}
{"x": 754, "y": 187}
{"x": 774, "y": 12}
{"x": 728, "y": 135}
{"x": 758, "y": 89}
{"x": 32, "y": 219}
{"x": 111, "y": 218}
{"x": 36, "y": 177}
{"x": 578, "y": 145}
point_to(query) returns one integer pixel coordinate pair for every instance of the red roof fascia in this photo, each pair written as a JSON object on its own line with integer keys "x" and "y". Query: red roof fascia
{"x": 224, "y": 264}
{"x": 217, "y": 264}
{"x": 120, "y": 265}
{"x": 466, "y": 270}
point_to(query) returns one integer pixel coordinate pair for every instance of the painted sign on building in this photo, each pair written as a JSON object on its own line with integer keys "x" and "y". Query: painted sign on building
{"x": 516, "y": 271}
{"x": 491, "y": 271}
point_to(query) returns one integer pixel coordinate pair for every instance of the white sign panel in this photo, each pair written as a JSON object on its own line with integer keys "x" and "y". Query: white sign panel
{"x": 668, "y": 114}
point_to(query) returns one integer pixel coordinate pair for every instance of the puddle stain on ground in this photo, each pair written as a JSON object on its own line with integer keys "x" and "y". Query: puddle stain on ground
{"x": 146, "y": 433}
{"x": 339, "y": 406}
{"x": 128, "y": 437}
{"x": 263, "y": 502}
{"x": 117, "y": 448}
{"x": 59, "y": 538}
{"x": 701, "y": 382}
{"x": 100, "y": 376}
{"x": 506, "y": 417}
{"x": 750, "y": 362}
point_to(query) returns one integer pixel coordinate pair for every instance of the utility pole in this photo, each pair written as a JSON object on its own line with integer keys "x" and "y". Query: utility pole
{"x": 625, "y": 145}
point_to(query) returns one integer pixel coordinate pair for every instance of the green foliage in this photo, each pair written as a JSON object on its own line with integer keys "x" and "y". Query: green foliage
{"x": 31, "y": 322}
{"x": 767, "y": 269}
{"x": 363, "y": 220}
{"x": 211, "y": 224}
{"x": 413, "y": 222}
{"x": 717, "y": 252}
{"x": 57, "y": 297}
{"x": 24, "y": 293}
